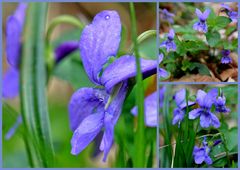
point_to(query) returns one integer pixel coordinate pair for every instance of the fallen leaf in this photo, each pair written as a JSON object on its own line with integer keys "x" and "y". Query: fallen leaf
{"x": 231, "y": 73}
{"x": 196, "y": 78}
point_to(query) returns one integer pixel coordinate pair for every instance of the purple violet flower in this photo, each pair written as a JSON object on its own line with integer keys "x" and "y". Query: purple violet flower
{"x": 150, "y": 106}
{"x": 226, "y": 59}
{"x": 10, "y": 84}
{"x": 162, "y": 72}
{"x": 169, "y": 44}
{"x": 201, "y": 154}
{"x": 102, "y": 107}
{"x": 220, "y": 105}
{"x": 229, "y": 11}
{"x": 205, "y": 101}
{"x": 65, "y": 49}
{"x": 14, "y": 29}
{"x": 179, "y": 112}
{"x": 201, "y": 25}
{"x": 166, "y": 16}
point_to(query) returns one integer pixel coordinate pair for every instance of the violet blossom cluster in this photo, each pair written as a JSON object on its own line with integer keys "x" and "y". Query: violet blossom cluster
{"x": 205, "y": 102}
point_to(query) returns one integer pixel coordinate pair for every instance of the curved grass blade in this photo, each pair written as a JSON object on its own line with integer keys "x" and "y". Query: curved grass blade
{"x": 32, "y": 87}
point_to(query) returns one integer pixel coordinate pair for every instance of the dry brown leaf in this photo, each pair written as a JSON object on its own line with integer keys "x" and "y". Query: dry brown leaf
{"x": 197, "y": 78}
{"x": 234, "y": 57}
{"x": 229, "y": 74}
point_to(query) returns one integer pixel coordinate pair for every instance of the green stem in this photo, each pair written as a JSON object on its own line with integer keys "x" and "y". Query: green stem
{"x": 145, "y": 35}
{"x": 139, "y": 140}
{"x": 68, "y": 19}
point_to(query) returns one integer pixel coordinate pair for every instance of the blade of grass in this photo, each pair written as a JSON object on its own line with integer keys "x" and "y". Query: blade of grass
{"x": 189, "y": 135}
{"x": 139, "y": 140}
{"x": 179, "y": 158}
{"x": 167, "y": 155}
{"x": 150, "y": 156}
{"x": 32, "y": 87}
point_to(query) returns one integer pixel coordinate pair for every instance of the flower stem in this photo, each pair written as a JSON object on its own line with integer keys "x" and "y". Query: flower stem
{"x": 139, "y": 139}
{"x": 68, "y": 19}
{"x": 62, "y": 19}
{"x": 145, "y": 35}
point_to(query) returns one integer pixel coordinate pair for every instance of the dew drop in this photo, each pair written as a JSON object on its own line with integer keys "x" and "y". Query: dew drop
{"x": 107, "y": 17}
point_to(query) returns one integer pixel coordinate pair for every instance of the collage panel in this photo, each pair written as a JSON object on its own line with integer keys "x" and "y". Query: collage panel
{"x": 198, "y": 41}
{"x": 69, "y": 90}
{"x": 198, "y": 126}
{"x": 120, "y": 84}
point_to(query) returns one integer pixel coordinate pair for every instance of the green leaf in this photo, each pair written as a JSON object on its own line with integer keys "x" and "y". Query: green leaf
{"x": 230, "y": 30}
{"x": 194, "y": 46}
{"x": 230, "y": 45}
{"x": 34, "y": 107}
{"x": 71, "y": 69}
{"x": 231, "y": 134}
{"x": 183, "y": 29}
{"x": 215, "y": 151}
{"x": 185, "y": 65}
{"x": 202, "y": 69}
{"x": 190, "y": 37}
{"x": 217, "y": 23}
{"x": 213, "y": 38}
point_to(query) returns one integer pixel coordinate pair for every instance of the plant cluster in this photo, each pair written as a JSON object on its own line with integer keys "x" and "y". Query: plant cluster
{"x": 205, "y": 45}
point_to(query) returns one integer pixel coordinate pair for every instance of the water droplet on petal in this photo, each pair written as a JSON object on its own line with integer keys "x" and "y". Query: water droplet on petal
{"x": 107, "y": 17}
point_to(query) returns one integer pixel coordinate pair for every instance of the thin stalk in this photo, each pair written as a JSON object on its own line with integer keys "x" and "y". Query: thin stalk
{"x": 68, "y": 19}
{"x": 145, "y": 35}
{"x": 139, "y": 140}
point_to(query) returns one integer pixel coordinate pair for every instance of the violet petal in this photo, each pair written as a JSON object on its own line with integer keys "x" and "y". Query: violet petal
{"x": 124, "y": 68}
{"x": 14, "y": 29}
{"x": 86, "y": 132}
{"x": 99, "y": 41}
{"x": 83, "y": 103}
{"x": 194, "y": 113}
{"x": 10, "y": 84}
{"x": 65, "y": 49}
{"x": 210, "y": 98}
